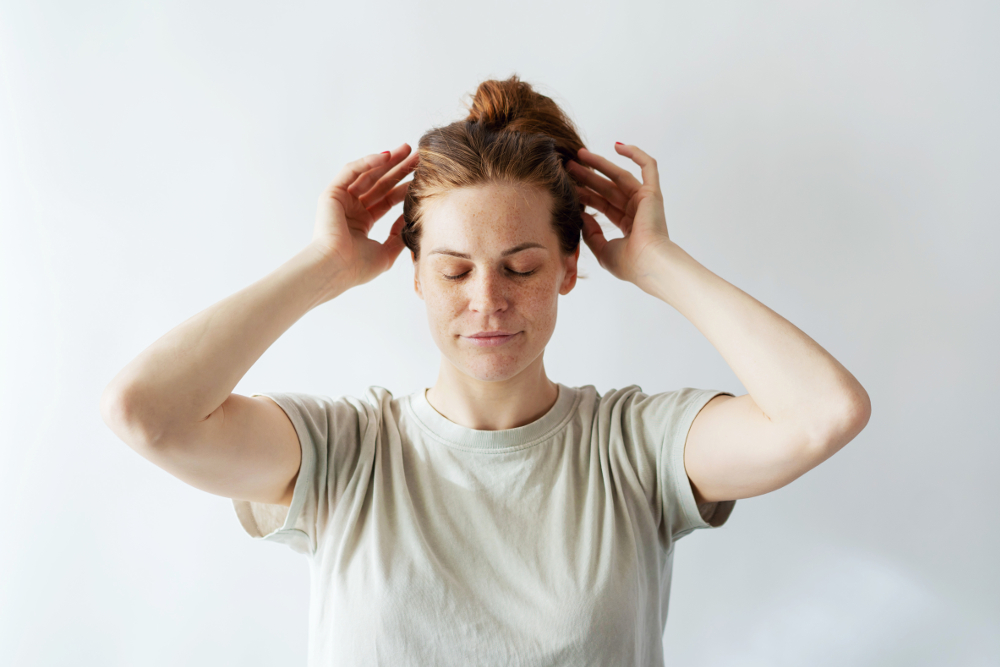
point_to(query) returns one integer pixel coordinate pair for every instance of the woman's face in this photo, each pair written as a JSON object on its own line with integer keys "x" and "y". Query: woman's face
{"x": 473, "y": 244}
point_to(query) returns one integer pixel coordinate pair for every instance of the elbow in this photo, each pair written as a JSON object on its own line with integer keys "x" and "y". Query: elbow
{"x": 858, "y": 411}
{"x": 113, "y": 408}
{"x": 847, "y": 422}
{"x": 118, "y": 411}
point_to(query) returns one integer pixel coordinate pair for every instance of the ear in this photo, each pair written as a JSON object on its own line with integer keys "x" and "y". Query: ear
{"x": 569, "y": 280}
{"x": 416, "y": 275}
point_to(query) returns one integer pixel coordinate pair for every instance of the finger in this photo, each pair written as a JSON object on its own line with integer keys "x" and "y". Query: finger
{"x": 393, "y": 244}
{"x": 593, "y": 236}
{"x": 352, "y": 170}
{"x": 365, "y": 181}
{"x": 594, "y": 200}
{"x": 650, "y": 174}
{"x": 623, "y": 178}
{"x": 388, "y": 182}
{"x": 396, "y": 195}
{"x": 598, "y": 183}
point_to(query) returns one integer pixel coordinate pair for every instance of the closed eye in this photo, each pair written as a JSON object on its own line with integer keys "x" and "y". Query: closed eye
{"x": 516, "y": 273}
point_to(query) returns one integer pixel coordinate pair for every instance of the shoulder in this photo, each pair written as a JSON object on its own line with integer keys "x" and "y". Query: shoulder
{"x": 642, "y": 404}
{"x": 650, "y": 418}
{"x": 369, "y": 404}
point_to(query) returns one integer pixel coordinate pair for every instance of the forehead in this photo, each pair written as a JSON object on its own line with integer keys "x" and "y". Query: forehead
{"x": 486, "y": 217}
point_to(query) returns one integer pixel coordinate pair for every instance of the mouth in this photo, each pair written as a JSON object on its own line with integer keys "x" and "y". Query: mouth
{"x": 496, "y": 332}
{"x": 490, "y": 339}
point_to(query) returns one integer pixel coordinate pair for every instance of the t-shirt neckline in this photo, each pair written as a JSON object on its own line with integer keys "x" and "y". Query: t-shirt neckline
{"x": 459, "y": 436}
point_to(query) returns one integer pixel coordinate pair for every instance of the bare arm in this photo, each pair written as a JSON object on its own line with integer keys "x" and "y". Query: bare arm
{"x": 185, "y": 377}
{"x": 174, "y": 403}
{"x": 790, "y": 378}
{"x": 802, "y": 405}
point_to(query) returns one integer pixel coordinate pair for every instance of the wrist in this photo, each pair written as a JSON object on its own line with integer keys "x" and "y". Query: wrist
{"x": 656, "y": 274}
{"x": 325, "y": 279}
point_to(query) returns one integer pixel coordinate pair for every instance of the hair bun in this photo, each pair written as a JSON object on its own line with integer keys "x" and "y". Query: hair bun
{"x": 498, "y": 104}
{"x": 512, "y": 105}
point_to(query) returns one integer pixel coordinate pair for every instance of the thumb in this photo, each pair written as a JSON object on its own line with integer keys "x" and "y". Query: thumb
{"x": 593, "y": 236}
{"x": 393, "y": 244}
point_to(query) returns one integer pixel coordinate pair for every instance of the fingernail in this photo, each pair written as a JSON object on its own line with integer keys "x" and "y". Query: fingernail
{"x": 619, "y": 143}
{"x": 385, "y": 151}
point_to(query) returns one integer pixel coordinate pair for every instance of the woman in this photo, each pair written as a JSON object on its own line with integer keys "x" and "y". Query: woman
{"x": 497, "y": 517}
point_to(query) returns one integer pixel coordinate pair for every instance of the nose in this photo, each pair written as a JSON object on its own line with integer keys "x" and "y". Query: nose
{"x": 487, "y": 293}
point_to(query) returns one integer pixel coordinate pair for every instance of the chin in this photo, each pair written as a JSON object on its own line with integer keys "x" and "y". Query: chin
{"x": 491, "y": 370}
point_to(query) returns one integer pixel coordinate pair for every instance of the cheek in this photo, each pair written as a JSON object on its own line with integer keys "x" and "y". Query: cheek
{"x": 443, "y": 305}
{"x": 539, "y": 303}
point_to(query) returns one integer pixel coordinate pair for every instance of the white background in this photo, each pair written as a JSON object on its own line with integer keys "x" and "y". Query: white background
{"x": 836, "y": 160}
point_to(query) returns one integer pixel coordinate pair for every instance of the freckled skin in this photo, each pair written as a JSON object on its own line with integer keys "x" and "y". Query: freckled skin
{"x": 491, "y": 388}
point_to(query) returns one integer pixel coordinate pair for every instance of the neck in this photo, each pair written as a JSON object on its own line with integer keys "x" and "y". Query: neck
{"x": 493, "y": 405}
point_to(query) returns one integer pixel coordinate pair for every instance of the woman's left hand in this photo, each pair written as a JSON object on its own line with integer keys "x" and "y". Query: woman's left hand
{"x": 635, "y": 208}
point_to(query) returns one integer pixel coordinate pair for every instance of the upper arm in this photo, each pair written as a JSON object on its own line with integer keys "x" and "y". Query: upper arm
{"x": 246, "y": 450}
{"x": 734, "y": 450}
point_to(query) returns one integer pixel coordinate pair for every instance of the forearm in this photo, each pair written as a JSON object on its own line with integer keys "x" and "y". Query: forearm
{"x": 787, "y": 374}
{"x": 189, "y": 372}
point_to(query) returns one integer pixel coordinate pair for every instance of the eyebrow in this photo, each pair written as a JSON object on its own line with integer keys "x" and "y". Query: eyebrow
{"x": 505, "y": 253}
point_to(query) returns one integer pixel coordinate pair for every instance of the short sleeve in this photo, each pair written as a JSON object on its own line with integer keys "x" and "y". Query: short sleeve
{"x": 331, "y": 432}
{"x": 664, "y": 420}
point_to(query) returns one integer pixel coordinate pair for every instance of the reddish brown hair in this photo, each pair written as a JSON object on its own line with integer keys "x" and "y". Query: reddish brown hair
{"x": 512, "y": 135}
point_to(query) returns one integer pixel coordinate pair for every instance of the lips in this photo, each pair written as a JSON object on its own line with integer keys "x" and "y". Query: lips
{"x": 491, "y": 334}
{"x": 490, "y": 339}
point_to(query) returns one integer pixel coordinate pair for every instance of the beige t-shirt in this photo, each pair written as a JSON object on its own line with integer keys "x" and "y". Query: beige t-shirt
{"x": 434, "y": 544}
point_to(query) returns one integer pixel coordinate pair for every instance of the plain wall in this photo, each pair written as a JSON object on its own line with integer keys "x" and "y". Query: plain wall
{"x": 835, "y": 160}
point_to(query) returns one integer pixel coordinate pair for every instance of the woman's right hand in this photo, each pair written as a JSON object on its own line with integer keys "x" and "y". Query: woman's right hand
{"x": 361, "y": 193}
